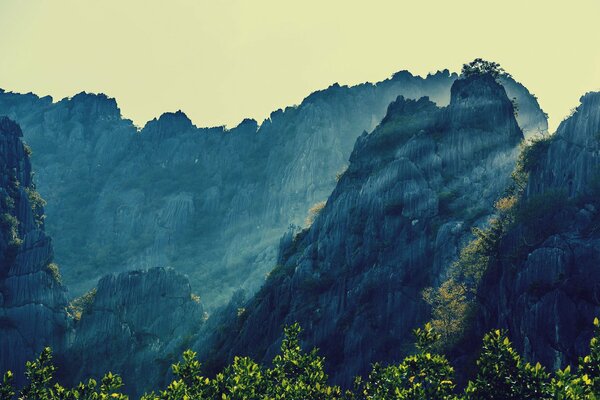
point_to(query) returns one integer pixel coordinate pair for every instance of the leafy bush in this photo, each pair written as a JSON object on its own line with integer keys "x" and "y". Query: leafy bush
{"x": 55, "y": 272}
{"x": 532, "y": 152}
{"x": 299, "y": 375}
{"x": 37, "y": 204}
{"x": 422, "y": 376}
{"x": 480, "y": 66}
{"x": 453, "y": 302}
{"x": 80, "y": 305}
{"x": 502, "y": 375}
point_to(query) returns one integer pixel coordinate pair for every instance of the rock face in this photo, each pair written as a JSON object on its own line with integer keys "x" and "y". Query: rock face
{"x": 136, "y": 324}
{"x": 210, "y": 202}
{"x": 32, "y": 299}
{"x": 546, "y": 290}
{"x": 394, "y": 222}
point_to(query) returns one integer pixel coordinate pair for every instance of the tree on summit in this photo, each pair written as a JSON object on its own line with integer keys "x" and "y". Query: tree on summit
{"x": 479, "y": 66}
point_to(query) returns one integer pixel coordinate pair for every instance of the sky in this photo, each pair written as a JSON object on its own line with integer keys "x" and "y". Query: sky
{"x": 221, "y": 61}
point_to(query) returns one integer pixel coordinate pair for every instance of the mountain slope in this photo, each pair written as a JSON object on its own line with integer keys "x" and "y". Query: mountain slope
{"x": 210, "y": 202}
{"x": 395, "y": 221}
{"x": 545, "y": 288}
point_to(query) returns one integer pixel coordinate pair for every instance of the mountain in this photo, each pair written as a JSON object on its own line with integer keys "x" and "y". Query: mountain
{"x": 210, "y": 202}
{"x": 32, "y": 298}
{"x": 545, "y": 288}
{"x": 135, "y": 324}
{"x": 215, "y": 204}
{"x": 395, "y": 222}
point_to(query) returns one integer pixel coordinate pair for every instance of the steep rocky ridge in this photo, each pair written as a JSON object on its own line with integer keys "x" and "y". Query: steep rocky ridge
{"x": 391, "y": 227}
{"x": 136, "y": 324}
{"x": 32, "y": 299}
{"x": 209, "y": 202}
{"x": 545, "y": 289}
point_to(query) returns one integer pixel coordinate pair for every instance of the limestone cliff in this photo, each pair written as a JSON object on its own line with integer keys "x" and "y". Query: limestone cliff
{"x": 545, "y": 289}
{"x": 210, "y": 202}
{"x": 135, "y": 324}
{"x": 391, "y": 227}
{"x": 32, "y": 298}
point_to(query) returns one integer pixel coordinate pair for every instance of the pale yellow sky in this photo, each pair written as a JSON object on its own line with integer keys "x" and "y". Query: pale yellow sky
{"x": 223, "y": 60}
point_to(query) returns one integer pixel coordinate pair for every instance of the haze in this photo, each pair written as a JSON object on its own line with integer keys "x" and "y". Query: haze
{"x": 223, "y": 60}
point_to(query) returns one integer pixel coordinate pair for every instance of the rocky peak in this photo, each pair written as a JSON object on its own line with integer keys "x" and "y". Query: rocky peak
{"x": 393, "y": 224}
{"x": 168, "y": 125}
{"x": 94, "y": 106}
{"x": 583, "y": 128}
{"x": 248, "y": 125}
{"x": 480, "y": 102}
{"x": 568, "y": 161}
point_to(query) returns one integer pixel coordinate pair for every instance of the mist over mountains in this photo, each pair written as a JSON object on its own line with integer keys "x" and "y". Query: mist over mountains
{"x": 210, "y": 202}
{"x": 336, "y": 213}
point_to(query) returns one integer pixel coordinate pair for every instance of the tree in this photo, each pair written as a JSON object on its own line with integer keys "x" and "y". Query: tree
{"x": 422, "y": 376}
{"x": 298, "y": 375}
{"x": 7, "y": 391}
{"x": 480, "y": 66}
{"x": 503, "y": 376}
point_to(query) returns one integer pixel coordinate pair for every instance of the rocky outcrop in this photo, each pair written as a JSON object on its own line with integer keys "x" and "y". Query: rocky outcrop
{"x": 210, "y": 202}
{"x": 135, "y": 324}
{"x": 397, "y": 216}
{"x": 32, "y": 298}
{"x": 545, "y": 289}
{"x": 530, "y": 116}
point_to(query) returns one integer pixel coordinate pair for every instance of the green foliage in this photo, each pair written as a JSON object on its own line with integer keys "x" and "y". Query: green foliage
{"x": 295, "y": 375}
{"x": 27, "y": 150}
{"x": 589, "y": 366}
{"x": 453, "y": 301}
{"x": 41, "y": 384}
{"x": 80, "y": 305}
{"x": 7, "y": 391}
{"x": 422, "y": 376}
{"x": 450, "y": 310}
{"x": 480, "y": 66}
{"x": 10, "y": 226}
{"x": 55, "y": 272}
{"x": 299, "y": 375}
{"x": 37, "y": 204}
{"x": 39, "y": 374}
{"x": 532, "y": 152}
{"x": 503, "y": 376}
{"x": 195, "y": 298}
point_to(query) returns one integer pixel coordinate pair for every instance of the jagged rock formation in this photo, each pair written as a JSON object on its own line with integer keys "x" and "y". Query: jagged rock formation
{"x": 545, "y": 289}
{"x": 135, "y": 324}
{"x": 532, "y": 120}
{"x": 394, "y": 222}
{"x": 210, "y": 202}
{"x": 32, "y": 299}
